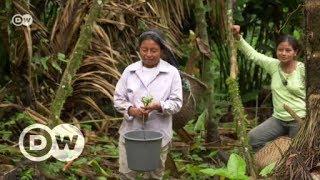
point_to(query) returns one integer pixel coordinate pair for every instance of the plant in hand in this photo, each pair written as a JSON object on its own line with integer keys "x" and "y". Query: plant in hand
{"x": 146, "y": 100}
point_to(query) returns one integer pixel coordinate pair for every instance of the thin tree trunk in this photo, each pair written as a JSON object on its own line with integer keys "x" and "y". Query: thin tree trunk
{"x": 313, "y": 47}
{"x": 65, "y": 87}
{"x": 207, "y": 73}
{"x": 304, "y": 153}
{"x": 233, "y": 86}
{"x": 28, "y": 40}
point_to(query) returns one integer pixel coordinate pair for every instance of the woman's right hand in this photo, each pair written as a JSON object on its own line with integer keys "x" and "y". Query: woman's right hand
{"x": 137, "y": 112}
{"x": 236, "y": 31}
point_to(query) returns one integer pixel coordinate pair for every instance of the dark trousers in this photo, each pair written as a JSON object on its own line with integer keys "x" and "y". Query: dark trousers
{"x": 271, "y": 129}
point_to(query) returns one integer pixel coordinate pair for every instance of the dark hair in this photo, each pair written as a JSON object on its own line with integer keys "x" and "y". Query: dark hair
{"x": 155, "y": 35}
{"x": 158, "y": 37}
{"x": 290, "y": 39}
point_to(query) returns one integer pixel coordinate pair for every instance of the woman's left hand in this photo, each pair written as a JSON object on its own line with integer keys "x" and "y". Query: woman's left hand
{"x": 236, "y": 31}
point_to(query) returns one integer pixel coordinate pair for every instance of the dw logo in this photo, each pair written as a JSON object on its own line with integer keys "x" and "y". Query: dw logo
{"x": 19, "y": 20}
{"x": 67, "y": 142}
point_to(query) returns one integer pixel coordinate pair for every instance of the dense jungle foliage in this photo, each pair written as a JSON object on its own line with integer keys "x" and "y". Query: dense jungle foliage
{"x": 64, "y": 69}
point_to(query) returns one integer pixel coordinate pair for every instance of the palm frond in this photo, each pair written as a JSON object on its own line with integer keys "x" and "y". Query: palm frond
{"x": 66, "y": 26}
{"x": 113, "y": 47}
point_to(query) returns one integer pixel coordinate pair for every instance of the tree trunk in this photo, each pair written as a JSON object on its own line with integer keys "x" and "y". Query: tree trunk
{"x": 65, "y": 87}
{"x": 233, "y": 87}
{"x": 304, "y": 153}
{"x": 206, "y": 72}
{"x": 312, "y": 47}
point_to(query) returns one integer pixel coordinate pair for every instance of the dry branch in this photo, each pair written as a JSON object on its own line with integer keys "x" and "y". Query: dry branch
{"x": 293, "y": 114}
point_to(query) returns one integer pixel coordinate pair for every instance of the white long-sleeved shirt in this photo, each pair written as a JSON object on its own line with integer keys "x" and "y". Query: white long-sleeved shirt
{"x": 164, "y": 87}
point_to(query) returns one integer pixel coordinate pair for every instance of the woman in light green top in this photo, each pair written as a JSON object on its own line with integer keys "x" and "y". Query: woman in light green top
{"x": 287, "y": 86}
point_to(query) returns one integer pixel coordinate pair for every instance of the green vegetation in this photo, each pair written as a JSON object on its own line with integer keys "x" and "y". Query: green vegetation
{"x": 146, "y": 100}
{"x": 65, "y": 67}
{"x": 236, "y": 169}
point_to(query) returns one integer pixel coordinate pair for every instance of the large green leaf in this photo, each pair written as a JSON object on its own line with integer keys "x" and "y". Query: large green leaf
{"x": 267, "y": 170}
{"x": 199, "y": 126}
{"x": 241, "y": 177}
{"x": 236, "y": 169}
{"x": 236, "y": 165}
{"x": 220, "y": 172}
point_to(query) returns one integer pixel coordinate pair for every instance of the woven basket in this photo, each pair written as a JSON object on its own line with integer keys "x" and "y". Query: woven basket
{"x": 272, "y": 151}
{"x": 191, "y": 96}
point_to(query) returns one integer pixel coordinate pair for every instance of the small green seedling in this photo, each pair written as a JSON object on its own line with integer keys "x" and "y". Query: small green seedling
{"x": 146, "y": 100}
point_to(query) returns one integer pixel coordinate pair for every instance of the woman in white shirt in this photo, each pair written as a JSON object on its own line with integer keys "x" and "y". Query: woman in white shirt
{"x": 151, "y": 76}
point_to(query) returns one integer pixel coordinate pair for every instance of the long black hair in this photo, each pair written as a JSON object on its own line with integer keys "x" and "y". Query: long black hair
{"x": 157, "y": 36}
